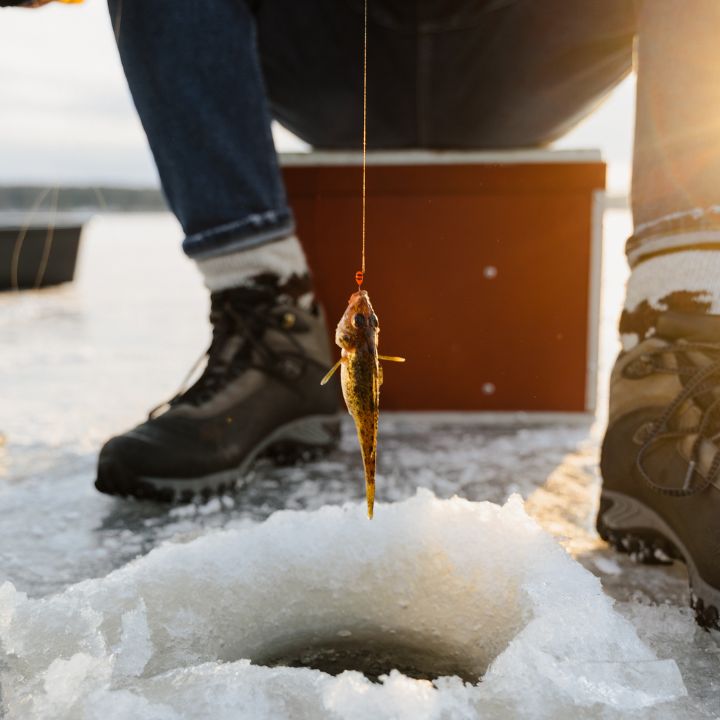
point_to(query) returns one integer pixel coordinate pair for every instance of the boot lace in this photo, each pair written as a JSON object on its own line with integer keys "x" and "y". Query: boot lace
{"x": 699, "y": 381}
{"x": 241, "y": 318}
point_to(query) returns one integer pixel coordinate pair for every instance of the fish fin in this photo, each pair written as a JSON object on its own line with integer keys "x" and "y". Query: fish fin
{"x": 332, "y": 371}
{"x": 391, "y": 358}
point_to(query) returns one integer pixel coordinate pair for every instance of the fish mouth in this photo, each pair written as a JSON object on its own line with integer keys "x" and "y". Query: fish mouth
{"x": 359, "y": 302}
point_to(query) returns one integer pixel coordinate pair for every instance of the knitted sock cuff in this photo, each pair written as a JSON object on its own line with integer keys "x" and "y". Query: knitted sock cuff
{"x": 697, "y": 229}
{"x": 684, "y": 281}
{"x": 282, "y": 258}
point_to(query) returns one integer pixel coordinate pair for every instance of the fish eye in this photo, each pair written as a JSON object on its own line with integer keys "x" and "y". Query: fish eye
{"x": 359, "y": 320}
{"x": 373, "y": 320}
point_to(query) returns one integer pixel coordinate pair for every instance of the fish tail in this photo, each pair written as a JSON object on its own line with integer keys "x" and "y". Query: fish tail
{"x": 367, "y": 435}
{"x": 370, "y": 489}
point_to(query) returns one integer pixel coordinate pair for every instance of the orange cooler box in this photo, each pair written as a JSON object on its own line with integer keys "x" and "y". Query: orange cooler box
{"x": 483, "y": 269}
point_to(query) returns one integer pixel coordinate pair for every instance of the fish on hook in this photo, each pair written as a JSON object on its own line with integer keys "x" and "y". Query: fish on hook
{"x": 361, "y": 377}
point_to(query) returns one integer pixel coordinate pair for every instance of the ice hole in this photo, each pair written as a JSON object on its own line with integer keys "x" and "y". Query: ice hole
{"x": 274, "y": 619}
{"x": 374, "y": 655}
{"x": 406, "y": 604}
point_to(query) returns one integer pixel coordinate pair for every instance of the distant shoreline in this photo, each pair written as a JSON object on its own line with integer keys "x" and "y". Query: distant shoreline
{"x": 19, "y": 198}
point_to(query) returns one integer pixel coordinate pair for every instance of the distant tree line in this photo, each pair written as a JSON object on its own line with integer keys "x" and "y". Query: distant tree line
{"x": 98, "y": 199}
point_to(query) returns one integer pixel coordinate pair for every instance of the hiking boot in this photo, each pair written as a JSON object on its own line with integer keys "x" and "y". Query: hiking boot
{"x": 259, "y": 395}
{"x": 660, "y": 457}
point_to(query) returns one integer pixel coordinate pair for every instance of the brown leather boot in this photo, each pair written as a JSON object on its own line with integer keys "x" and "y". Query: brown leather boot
{"x": 660, "y": 457}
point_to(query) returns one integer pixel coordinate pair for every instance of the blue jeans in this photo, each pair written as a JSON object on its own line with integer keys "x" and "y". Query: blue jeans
{"x": 442, "y": 74}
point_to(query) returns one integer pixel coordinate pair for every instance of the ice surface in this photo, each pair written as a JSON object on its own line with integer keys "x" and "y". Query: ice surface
{"x": 77, "y": 365}
{"x": 455, "y": 586}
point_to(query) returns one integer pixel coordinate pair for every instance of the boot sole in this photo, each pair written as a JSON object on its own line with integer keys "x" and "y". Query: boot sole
{"x": 304, "y": 439}
{"x": 633, "y": 528}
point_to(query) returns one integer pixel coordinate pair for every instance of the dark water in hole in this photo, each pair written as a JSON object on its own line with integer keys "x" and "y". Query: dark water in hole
{"x": 373, "y": 661}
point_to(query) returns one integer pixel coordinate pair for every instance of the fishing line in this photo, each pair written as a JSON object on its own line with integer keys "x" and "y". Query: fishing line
{"x": 47, "y": 245}
{"x": 20, "y": 239}
{"x": 360, "y": 274}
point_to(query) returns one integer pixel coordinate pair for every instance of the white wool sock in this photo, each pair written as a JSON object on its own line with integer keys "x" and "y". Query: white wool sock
{"x": 283, "y": 258}
{"x": 685, "y": 281}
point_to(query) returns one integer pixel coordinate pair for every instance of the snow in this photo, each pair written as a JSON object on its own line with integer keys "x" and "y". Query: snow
{"x": 607, "y": 566}
{"x": 444, "y": 585}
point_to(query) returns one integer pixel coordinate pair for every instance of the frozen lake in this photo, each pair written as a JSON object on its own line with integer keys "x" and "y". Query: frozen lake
{"x": 82, "y": 362}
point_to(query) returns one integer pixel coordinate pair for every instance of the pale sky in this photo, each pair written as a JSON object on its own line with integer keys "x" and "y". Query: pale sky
{"x": 66, "y": 115}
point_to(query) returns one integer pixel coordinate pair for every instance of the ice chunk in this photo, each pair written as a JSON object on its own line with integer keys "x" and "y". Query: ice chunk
{"x": 430, "y": 587}
{"x": 607, "y": 566}
{"x": 135, "y": 648}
